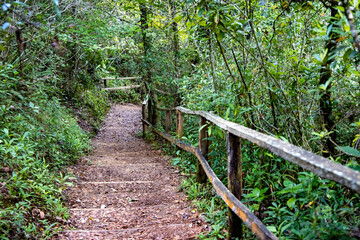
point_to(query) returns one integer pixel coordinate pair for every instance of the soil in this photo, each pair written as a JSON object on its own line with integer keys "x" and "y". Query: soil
{"x": 126, "y": 189}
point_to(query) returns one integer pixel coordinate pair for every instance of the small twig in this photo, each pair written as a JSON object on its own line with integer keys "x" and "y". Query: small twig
{"x": 274, "y": 28}
{"x": 267, "y": 71}
{"x": 224, "y": 57}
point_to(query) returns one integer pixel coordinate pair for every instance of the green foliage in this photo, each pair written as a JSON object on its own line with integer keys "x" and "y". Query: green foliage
{"x": 38, "y": 137}
{"x": 288, "y": 69}
{"x": 351, "y": 151}
{"x": 204, "y": 200}
{"x": 268, "y": 69}
{"x": 124, "y": 96}
{"x": 92, "y": 107}
{"x": 295, "y": 203}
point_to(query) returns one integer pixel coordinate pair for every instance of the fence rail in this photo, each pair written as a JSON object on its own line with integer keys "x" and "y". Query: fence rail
{"x": 117, "y": 78}
{"x": 231, "y": 195}
{"x": 321, "y": 166}
{"x": 121, "y": 78}
{"x": 122, "y": 88}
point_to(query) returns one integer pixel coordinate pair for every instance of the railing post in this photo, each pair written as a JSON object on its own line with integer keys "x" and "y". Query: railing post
{"x": 168, "y": 121}
{"x": 144, "y": 117}
{"x": 179, "y": 123}
{"x": 105, "y": 83}
{"x": 204, "y": 148}
{"x": 209, "y": 142}
{"x": 151, "y": 112}
{"x": 234, "y": 181}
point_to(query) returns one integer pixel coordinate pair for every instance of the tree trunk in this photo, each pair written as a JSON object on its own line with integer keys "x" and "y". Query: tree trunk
{"x": 212, "y": 65}
{"x": 147, "y": 63}
{"x": 175, "y": 38}
{"x": 327, "y": 121}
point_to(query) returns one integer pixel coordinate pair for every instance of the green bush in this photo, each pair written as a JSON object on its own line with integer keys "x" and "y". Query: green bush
{"x": 93, "y": 106}
{"x": 38, "y": 137}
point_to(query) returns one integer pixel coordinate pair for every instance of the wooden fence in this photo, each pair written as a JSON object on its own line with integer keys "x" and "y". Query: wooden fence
{"x": 118, "y": 78}
{"x": 231, "y": 194}
{"x": 122, "y": 88}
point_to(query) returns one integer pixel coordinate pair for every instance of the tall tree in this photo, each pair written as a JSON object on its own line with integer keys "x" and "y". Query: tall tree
{"x": 147, "y": 63}
{"x": 326, "y": 109}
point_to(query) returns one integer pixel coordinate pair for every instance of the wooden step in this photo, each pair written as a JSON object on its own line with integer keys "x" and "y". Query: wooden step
{"x": 124, "y": 173}
{"x": 116, "y": 160}
{"x": 126, "y": 153}
{"x": 170, "y": 231}
{"x": 86, "y": 188}
{"x": 120, "y": 200}
{"x": 121, "y": 146}
{"x": 129, "y": 217}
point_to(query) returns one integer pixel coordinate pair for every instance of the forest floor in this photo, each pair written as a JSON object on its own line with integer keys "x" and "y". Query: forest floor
{"x": 126, "y": 189}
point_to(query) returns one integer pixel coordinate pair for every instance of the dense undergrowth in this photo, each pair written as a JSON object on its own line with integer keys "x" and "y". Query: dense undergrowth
{"x": 40, "y": 135}
{"x": 38, "y": 138}
{"x": 50, "y": 105}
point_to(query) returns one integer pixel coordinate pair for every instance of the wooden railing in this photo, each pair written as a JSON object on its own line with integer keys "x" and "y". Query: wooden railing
{"x": 122, "y": 88}
{"x": 231, "y": 195}
{"x": 119, "y": 78}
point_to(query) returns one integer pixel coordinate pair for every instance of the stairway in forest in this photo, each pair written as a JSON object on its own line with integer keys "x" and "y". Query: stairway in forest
{"x": 126, "y": 189}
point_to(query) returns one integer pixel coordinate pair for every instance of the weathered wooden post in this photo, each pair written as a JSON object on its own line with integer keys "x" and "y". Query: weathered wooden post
{"x": 204, "y": 148}
{"x": 168, "y": 121}
{"x": 151, "y": 111}
{"x": 179, "y": 124}
{"x": 209, "y": 142}
{"x": 234, "y": 181}
{"x": 144, "y": 117}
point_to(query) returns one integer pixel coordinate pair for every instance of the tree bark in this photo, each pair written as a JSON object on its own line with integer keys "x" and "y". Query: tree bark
{"x": 147, "y": 63}
{"x": 235, "y": 182}
{"x": 325, "y": 102}
{"x": 212, "y": 65}
{"x": 175, "y": 38}
{"x": 20, "y": 43}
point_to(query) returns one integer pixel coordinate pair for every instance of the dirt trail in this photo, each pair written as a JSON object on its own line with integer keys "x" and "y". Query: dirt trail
{"x": 129, "y": 190}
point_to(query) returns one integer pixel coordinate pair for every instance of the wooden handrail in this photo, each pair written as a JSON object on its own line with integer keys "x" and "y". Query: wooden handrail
{"x": 165, "y": 93}
{"x": 115, "y": 78}
{"x": 165, "y": 109}
{"x": 146, "y": 100}
{"x": 121, "y": 88}
{"x": 321, "y": 166}
{"x": 143, "y": 112}
{"x": 121, "y": 78}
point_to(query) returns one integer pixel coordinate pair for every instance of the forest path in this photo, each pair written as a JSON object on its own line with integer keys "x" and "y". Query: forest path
{"x": 126, "y": 189}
